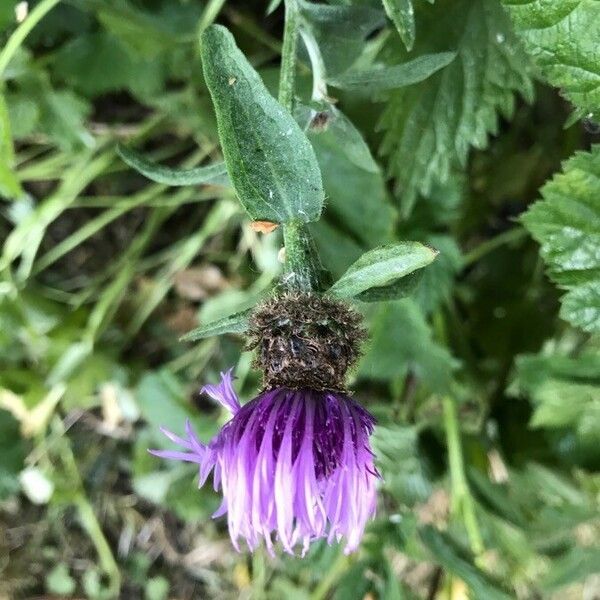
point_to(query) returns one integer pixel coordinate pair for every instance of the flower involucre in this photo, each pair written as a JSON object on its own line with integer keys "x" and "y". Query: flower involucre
{"x": 296, "y": 463}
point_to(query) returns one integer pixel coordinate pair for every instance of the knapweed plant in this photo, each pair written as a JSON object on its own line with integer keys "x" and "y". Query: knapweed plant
{"x": 370, "y": 229}
{"x": 295, "y": 464}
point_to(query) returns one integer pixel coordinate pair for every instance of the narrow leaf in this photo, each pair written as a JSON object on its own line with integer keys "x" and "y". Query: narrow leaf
{"x": 402, "y": 14}
{"x": 388, "y": 78}
{"x": 216, "y": 174}
{"x": 382, "y": 267}
{"x": 236, "y": 323}
{"x": 270, "y": 161}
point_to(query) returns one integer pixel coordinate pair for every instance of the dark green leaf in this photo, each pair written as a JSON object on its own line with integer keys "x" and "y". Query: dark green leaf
{"x": 12, "y": 454}
{"x": 382, "y": 267}
{"x": 562, "y": 37}
{"x": 388, "y": 78}
{"x": 431, "y": 126}
{"x": 270, "y": 161}
{"x": 341, "y": 31}
{"x": 214, "y": 174}
{"x": 401, "y": 341}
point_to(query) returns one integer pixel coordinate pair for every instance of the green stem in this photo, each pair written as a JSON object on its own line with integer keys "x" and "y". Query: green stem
{"x": 319, "y": 91}
{"x": 462, "y": 501}
{"x": 302, "y": 266}
{"x": 301, "y": 262}
{"x": 89, "y": 522}
{"x": 333, "y": 574}
{"x": 288, "y": 55}
{"x": 23, "y": 30}
{"x": 209, "y": 14}
{"x": 512, "y": 235}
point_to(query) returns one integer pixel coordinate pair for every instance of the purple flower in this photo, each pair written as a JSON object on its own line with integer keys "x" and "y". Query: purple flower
{"x": 296, "y": 463}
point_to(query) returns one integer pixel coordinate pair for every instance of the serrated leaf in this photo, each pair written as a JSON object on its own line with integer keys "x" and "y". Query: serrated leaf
{"x": 270, "y": 161}
{"x": 397, "y": 76}
{"x": 215, "y": 174}
{"x": 382, "y": 267}
{"x": 562, "y": 37}
{"x": 430, "y": 127}
{"x": 567, "y": 225}
{"x": 236, "y": 323}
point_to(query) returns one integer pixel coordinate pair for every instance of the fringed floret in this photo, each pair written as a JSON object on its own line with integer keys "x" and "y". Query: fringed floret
{"x": 293, "y": 465}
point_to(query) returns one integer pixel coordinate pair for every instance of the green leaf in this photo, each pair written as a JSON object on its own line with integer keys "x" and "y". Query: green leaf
{"x": 447, "y": 552}
{"x": 270, "y": 161}
{"x": 402, "y": 14}
{"x": 215, "y": 174}
{"x": 350, "y": 174}
{"x": 430, "y": 127}
{"x": 382, "y": 267}
{"x": 388, "y": 78}
{"x": 97, "y": 63}
{"x": 236, "y": 323}
{"x": 403, "y": 470}
{"x": 565, "y": 391}
{"x": 59, "y": 581}
{"x": 562, "y": 37}
{"x": 401, "y": 341}
{"x": 575, "y": 565}
{"x": 567, "y": 225}
{"x": 9, "y": 183}
{"x": 341, "y": 31}
{"x": 162, "y": 403}
{"x": 12, "y": 454}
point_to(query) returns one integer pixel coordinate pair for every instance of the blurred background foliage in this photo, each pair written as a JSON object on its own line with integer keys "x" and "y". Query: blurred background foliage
{"x": 102, "y": 272}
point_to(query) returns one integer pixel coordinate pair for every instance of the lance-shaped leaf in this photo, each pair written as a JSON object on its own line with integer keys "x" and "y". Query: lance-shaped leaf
{"x": 270, "y": 161}
{"x": 376, "y": 274}
{"x": 236, "y": 323}
{"x": 216, "y": 174}
{"x": 388, "y": 78}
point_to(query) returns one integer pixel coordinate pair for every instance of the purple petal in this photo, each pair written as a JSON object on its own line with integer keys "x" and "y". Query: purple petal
{"x": 223, "y": 392}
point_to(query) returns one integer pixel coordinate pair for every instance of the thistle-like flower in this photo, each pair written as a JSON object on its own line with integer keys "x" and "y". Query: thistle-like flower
{"x": 295, "y": 462}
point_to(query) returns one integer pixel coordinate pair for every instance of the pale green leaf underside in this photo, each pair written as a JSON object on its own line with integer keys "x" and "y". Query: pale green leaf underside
{"x": 236, "y": 323}
{"x": 563, "y": 37}
{"x": 402, "y": 14}
{"x": 388, "y": 78}
{"x": 430, "y": 127}
{"x": 567, "y": 225}
{"x": 270, "y": 161}
{"x": 382, "y": 267}
{"x": 216, "y": 174}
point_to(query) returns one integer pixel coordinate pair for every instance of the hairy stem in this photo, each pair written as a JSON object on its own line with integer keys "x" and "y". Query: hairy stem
{"x": 302, "y": 266}
{"x": 462, "y": 501}
{"x": 288, "y": 55}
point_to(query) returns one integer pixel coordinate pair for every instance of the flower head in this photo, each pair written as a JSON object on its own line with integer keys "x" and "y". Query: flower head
{"x": 292, "y": 463}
